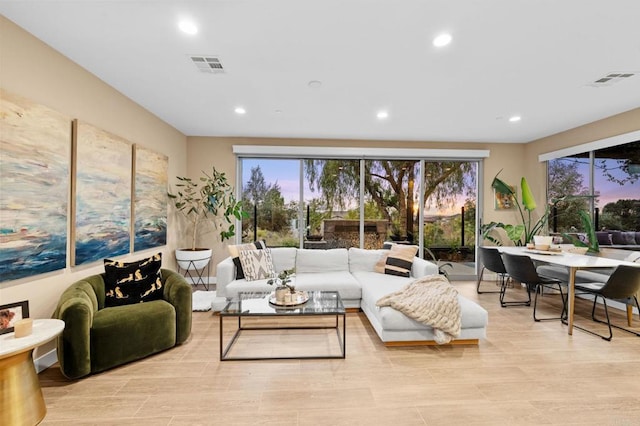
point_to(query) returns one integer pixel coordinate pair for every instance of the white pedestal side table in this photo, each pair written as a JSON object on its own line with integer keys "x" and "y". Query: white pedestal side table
{"x": 21, "y": 401}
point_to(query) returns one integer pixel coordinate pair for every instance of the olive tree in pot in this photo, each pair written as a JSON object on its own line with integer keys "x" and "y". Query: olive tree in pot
{"x": 212, "y": 202}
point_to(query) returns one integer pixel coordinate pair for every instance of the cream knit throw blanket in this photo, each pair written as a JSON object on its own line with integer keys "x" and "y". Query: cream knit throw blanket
{"x": 431, "y": 300}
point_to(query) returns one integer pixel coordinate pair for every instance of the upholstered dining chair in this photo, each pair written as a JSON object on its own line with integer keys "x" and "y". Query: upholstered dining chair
{"x": 522, "y": 269}
{"x": 623, "y": 285}
{"x": 491, "y": 261}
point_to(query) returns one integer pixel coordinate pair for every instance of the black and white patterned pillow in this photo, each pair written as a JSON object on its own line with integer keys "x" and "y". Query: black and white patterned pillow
{"x": 126, "y": 283}
{"x": 257, "y": 264}
{"x": 234, "y": 252}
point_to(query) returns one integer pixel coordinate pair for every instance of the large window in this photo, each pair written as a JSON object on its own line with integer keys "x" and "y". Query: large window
{"x": 338, "y": 202}
{"x": 617, "y": 186}
{"x": 271, "y": 193}
{"x": 604, "y": 182}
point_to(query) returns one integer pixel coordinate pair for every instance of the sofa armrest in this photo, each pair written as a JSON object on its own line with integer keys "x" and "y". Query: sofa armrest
{"x": 422, "y": 268}
{"x": 76, "y": 308}
{"x": 225, "y": 273}
{"x": 178, "y": 292}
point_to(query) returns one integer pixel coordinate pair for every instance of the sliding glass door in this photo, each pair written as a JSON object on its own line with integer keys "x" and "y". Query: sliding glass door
{"x": 335, "y": 202}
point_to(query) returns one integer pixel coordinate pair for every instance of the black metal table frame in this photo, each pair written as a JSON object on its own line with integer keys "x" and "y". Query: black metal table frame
{"x": 341, "y": 339}
{"x": 198, "y": 279}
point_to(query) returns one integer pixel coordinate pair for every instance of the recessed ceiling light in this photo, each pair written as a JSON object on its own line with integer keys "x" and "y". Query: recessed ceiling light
{"x": 442, "y": 40}
{"x": 382, "y": 115}
{"x": 314, "y": 84}
{"x": 188, "y": 27}
{"x": 240, "y": 110}
{"x": 515, "y": 118}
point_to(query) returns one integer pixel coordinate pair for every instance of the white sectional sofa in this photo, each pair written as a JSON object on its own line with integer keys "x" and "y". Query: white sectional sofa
{"x": 351, "y": 273}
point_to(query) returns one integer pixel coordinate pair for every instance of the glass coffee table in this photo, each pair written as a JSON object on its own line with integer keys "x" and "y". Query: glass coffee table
{"x": 257, "y": 305}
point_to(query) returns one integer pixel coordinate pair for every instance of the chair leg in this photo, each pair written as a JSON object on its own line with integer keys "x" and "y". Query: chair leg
{"x": 479, "y": 280}
{"x": 535, "y": 304}
{"x": 502, "y": 278}
{"x": 613, "y": 325}
{"x": 503, "y": 289}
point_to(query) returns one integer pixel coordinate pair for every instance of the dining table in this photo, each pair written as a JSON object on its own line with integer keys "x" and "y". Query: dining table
{"x": 572, "y": 261}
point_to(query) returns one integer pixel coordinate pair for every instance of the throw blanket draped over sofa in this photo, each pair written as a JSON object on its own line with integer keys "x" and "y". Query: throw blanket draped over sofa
{"x": 431, "y": 300}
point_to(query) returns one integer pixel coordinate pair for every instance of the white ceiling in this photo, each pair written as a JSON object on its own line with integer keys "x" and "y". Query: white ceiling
{"x": 533, "y": 58}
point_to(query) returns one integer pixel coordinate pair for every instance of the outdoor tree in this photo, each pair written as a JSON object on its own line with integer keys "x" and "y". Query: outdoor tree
{"x": 266, "y": 201}
{"x": 272, "y": 214}
{"x": 622, "y": 214}
{"x": 566, "y": 180}
{"x": 391, "y": 185}
{"x": 255, "y": 188}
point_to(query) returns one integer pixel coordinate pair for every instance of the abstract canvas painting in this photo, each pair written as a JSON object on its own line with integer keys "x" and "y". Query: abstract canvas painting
{"x": 34, "y": 185}
{"x": 150, "y": 199}
{"x": 102, "y": 194}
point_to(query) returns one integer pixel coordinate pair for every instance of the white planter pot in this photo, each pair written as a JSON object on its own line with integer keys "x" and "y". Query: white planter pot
{"x": 193, "y": 259}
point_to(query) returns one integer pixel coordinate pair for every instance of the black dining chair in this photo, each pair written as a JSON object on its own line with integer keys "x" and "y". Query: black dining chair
{"x": 522, "y": 269}
{"x": 622, "y": 285}
{"x": 491, "y": 261}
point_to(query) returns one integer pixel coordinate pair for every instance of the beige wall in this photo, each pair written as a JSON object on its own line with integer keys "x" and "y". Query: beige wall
{"x": 31, "y": 69}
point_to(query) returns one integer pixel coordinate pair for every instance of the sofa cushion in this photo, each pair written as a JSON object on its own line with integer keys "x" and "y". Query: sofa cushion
{"x": 128, "y": 283}
{"x": 341, "y": 281}
{"x": 316, "y": 261}
{"x": 629, "y": 238}
{"x": 604, "y": 238}
{"x": 364, "y": 260}
{"x": 284, "y": 258}
{"x": 399, "y": 260}
{"x": 617, "y": 238}
{"x": 234, "y": 287}
{"x": 257, "y": 264}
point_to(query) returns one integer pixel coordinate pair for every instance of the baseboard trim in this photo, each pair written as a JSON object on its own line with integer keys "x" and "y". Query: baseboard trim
{"x": 45, "y": 361}
{"x": 431, "y": 343}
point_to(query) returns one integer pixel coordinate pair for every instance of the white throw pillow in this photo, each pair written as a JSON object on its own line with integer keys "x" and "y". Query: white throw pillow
{"x": 257, "y": 264}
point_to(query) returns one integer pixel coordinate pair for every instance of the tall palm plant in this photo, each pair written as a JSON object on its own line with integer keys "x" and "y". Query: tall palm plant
{"x": 522, "y": 232}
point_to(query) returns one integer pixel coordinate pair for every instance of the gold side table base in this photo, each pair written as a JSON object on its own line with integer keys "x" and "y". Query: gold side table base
{"x": 21, "y": 400}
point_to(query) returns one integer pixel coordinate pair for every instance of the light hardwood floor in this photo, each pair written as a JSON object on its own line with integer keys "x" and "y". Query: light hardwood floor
{"x": 523, "y": 373}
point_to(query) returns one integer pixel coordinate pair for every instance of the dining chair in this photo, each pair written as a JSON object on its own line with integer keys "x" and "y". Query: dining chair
{"x": 622, "y": 285}
{"x": 492, "y": 261}
{"x": 522, "y": 269}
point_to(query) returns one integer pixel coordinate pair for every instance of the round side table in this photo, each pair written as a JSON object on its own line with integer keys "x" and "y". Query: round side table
{"x": 21, "y": 401}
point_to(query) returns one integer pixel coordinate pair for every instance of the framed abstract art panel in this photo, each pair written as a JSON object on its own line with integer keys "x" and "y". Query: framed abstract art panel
{"x": 34, "y": 179}
{"x": 150, "y": 198}
{"x": 102, "y": 194}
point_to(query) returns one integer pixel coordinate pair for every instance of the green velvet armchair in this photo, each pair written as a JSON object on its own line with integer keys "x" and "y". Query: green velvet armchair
{"x": 96, "y": 338}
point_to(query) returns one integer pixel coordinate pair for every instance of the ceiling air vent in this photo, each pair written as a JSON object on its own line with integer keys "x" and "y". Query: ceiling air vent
{"x": 612, "y": 78}
{"x": 209, "y": 64}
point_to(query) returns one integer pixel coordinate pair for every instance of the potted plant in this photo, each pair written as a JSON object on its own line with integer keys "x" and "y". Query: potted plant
{"x": 522, "y": 233}
{"x": 283, "y": 283}
{"x": 210, "y": 201}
